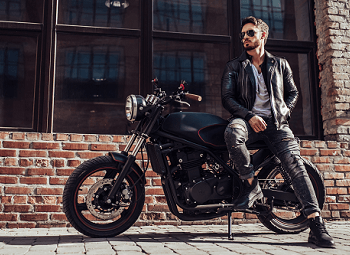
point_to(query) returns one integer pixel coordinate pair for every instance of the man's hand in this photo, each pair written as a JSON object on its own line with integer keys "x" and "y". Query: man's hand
{"x": 257, "y": 123}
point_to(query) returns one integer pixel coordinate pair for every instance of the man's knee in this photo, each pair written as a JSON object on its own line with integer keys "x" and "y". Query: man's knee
{"x": 235, "y": 134}
{"x": 294, "y": 165}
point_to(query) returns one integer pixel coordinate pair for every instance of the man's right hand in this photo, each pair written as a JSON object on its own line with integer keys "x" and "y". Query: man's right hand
{"x": 257, "y": 123}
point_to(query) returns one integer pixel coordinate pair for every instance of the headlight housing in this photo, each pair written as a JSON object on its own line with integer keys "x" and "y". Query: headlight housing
{"x": 134, "y": 107}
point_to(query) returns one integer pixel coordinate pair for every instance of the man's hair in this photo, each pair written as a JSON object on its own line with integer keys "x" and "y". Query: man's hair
{"x": 257, "y": 22}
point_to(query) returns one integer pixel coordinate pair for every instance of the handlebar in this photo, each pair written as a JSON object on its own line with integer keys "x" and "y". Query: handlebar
{"x": 193, "y": 97}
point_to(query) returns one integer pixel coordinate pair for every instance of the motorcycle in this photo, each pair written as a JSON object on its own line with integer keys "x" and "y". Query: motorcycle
{"x": 104, "y": 196}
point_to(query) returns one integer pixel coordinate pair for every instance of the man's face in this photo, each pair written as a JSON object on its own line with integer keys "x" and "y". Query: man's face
{"x": 251, "y": 43}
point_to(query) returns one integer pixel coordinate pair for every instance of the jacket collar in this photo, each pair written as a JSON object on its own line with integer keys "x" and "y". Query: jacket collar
{"x": 269, "y": 58}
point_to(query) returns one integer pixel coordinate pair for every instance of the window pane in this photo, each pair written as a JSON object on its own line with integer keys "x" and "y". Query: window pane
{"x": 94, "y": 75}
{"x": 100, "y": 13}
{"x": 191, "y": 16}
{"x": 287, "y": 19}
{"x": 17, "y": 80}
{"x": 302, "y": 118}
{"x": 200, "y": 64}
{"x": 21, "y": 10}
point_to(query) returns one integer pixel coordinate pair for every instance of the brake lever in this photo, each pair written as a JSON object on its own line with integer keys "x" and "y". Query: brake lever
{"x": 182, "y": 102}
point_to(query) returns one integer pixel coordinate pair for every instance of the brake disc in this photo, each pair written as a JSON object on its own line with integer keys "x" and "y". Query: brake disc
{"x": 97, "y": 206}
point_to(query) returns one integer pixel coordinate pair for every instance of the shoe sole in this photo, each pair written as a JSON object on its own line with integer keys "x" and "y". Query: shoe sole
{"x": 321, "y": 245}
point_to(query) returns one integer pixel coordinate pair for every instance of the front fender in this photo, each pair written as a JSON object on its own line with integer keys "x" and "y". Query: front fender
{"x": 120, "y": 158}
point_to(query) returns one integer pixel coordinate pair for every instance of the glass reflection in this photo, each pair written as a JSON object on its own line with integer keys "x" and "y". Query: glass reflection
{"x": 94, "y": 76}
{"x": 191, "y": 16}
{"x": 200, "y": 64}
{"x": 302, "y": 118}
{"x": 17, "y": 81}
{"x": 21, "y": 10}
{"x": 101, "y": 13}
{"x": 287, "y": 19}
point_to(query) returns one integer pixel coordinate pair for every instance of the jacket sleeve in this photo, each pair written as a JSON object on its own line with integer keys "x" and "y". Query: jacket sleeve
{"x": 229, "y": 82}
{"x": 290, "y": 89}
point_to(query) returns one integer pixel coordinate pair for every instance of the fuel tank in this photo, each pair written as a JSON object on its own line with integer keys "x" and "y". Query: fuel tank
{"x": 201, "y": 128}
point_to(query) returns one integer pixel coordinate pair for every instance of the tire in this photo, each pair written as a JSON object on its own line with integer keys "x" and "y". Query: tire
{"x": 85, "y": 189}
{"x": 288, "y": 219}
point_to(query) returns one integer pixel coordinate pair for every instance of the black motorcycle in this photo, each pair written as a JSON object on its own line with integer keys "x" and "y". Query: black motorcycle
{"x": 104, "y": 196}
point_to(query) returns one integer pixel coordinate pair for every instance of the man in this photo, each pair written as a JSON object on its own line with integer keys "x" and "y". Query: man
{"x": 259, "y": 91}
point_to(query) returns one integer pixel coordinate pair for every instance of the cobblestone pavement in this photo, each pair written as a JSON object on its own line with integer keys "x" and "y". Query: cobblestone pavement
{"x": 186, "y": 240}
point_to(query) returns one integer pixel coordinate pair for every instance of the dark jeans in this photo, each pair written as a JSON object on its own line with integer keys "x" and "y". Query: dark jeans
{"x": 283, "y": 144}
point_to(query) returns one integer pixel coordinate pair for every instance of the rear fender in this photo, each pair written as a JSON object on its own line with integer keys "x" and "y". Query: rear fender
{"x": 120, "y": 158}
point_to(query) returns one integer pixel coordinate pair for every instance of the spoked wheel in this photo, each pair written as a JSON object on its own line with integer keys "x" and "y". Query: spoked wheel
{"x": 85, "y": 200}
{"x": 286, "y": 216}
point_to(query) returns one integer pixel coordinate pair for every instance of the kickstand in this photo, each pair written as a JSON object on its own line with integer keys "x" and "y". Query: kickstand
{"x": 229, "y": 223}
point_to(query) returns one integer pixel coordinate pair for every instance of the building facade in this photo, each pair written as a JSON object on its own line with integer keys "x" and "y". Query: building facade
{"x": 67, "y": 66}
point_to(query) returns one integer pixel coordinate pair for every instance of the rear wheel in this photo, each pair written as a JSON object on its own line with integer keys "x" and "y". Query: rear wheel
{"x": 286, "y": 217}
{"x": 85, "y": 198}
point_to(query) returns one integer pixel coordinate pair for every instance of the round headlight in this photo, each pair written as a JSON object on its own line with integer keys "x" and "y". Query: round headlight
{"x": 134, "y": 106}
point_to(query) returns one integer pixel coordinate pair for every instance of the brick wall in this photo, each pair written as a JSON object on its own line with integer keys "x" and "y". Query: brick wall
{"x": 333, "y": 43}
{"x": 35, "y": 166}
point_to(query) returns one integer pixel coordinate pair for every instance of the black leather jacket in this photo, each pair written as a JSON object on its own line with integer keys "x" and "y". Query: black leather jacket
{"x": 238, "y": 87}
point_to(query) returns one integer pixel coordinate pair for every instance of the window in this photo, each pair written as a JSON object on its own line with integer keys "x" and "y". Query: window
{"x": 68, "y": 65}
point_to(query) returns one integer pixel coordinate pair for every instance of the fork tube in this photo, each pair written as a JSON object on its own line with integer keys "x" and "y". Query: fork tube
{"x": 130, "y": 143}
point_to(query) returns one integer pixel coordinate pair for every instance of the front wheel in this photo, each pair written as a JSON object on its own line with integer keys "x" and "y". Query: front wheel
{"x": 286, "y": 217}
{"x": 85, "y": 203}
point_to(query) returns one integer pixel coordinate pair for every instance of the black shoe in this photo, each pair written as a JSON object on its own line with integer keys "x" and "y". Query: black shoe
{"x": 319, "y": 235}
{"x": 249, "y": 195}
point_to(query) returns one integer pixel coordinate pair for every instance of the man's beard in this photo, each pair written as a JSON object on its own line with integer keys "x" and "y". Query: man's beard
{"x": 252, "y": 47}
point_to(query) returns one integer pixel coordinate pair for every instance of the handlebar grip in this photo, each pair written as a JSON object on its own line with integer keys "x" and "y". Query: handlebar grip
{"x": 193, "y": 97}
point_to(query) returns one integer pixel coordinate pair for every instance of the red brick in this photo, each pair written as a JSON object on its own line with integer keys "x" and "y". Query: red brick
{"x": 341, "y": 161}
{"x": 8, "y": 179}
{"x": 61, "y": 154}
{"x": 157, "y": 182}
{"x": 320, "y": 160}
{"x": 332, "y": 144}
{"x": 46, "y": 145}
{"x": 306, "y": 144}
{"x": 25, "y": 162}
{"x": 75, "y": 146}
{"x": 8, "y": 217}
{"x": 47, "y": 137}
{"x": 58, "y": 216}
{"x": 154, "y": 191}
{"x": 335, "y": 191}
{"x": 12, "y": 170}
{"x": 320, "y": 144}
{"x": 324, "y": 152}
{"x": 51, "y": 225}
{"x": 34, "y": 216}
{"x": 32, "y": 153}
{"x": 323, "y": 167}
{"x": 33, "y": 136}
{"x": 90, "y": 138}
{"x": 308, "y": 152}
{"x": 88, "y": 155}
{"x": 47, "y": 208}
{"x": 7, "y": 153}
{"x": 17, "y": 208}
{"x": 76, "y": 138}
{"x": 62, "y": 137}
{"x": 329, "y": 183}
{"x": 50, "y": 200}
{"x": 58, "y": 180}
{"x": 18, "y": 136}
{"x": 346, "y": 153}
{"x": 40, "y": 171}
{"x": 118, "y": 139}
{"x": 103, "y": 147}
{"x": 339, "y": 206}
{"x": 342, "y": 168}
{"x": 21, "y": 225}
{"x": 64, "y": 172}
{"x": 18, "y": 190}
{"x": 4, "y": 135}
{"x": 6, "y": 200}
{"x": 20, "y": 199}
{"x": 33, "y": 180}
{"x": 330, "y": 175}
{"x": 42, "y": 162}
{"x": 35, "y": 199}
{"x": 49, "y": 191}
{"x": 158, "y": 208}
{"x": 11, "y": 162}
{"x": 19, "y": 145}
{"x": 58, "y": 162}
{"x": 151, "y": 174}
{"x": 74, "y": 163}
{"x": 105, "y": 138}
{"x": 343, "y": 183}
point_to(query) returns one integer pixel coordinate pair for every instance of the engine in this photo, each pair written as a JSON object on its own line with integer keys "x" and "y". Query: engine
{"x": 198, "y": 178}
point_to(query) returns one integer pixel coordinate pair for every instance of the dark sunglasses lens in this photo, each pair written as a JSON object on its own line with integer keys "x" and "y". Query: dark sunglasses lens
{"x": 250, "y": 33}
{"x": 241, "y": 35}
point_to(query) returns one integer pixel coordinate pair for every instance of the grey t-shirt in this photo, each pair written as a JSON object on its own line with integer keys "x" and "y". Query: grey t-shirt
{"x": 262, "y": 106}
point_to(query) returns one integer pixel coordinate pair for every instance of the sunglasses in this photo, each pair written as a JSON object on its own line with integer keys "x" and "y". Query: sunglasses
{"x": 250, "y": 33}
